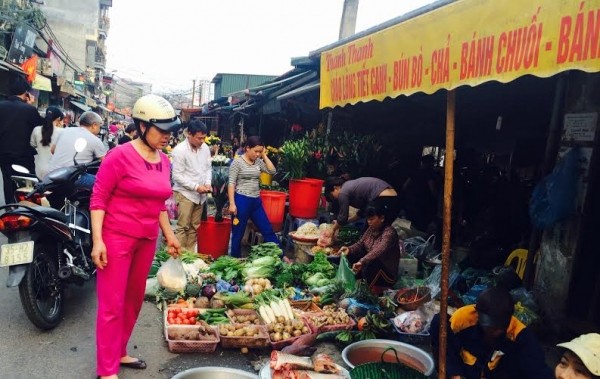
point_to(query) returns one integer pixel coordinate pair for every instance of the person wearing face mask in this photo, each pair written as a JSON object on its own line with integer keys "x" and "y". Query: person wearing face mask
{"x": 580, "y": 359}
{"x": 43, "y": 137}
{"x": 244, "y": 193}
{"x": 485, "y": 340}
{"x": 127, "y": 209}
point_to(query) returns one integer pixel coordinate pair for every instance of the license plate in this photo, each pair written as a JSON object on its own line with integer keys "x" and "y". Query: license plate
{"x": 16, "y": 253}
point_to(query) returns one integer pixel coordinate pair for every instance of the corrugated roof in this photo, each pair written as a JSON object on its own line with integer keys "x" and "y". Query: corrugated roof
{"x": 229, "y": 83}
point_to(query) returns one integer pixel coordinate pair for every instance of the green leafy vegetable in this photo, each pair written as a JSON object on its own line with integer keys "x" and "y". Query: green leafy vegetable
{"x": 227, "y": 268}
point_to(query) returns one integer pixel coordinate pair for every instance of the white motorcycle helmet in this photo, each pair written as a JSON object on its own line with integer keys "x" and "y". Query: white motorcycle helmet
{"x": 156, "y": 111}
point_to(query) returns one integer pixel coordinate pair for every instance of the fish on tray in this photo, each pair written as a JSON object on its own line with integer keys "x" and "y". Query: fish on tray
{"x": 280, "y": 361}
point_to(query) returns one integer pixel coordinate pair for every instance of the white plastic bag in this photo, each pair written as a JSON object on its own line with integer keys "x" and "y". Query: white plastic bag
{"x": 171, "y": 275}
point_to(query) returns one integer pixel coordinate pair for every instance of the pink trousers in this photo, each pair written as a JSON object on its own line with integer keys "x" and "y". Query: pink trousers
{"x": 120, "y": 289}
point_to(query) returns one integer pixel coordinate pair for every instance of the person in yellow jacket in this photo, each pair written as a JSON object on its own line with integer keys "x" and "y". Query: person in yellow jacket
{"x": 486, "y": 341}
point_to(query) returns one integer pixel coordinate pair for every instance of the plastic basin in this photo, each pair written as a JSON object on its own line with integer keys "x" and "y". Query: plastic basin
{"x": 371, "y": 350}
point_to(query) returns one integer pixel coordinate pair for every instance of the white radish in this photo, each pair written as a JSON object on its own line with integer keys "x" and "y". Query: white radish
{"x": 270, "y": 313}
{"x": 278, "y": 312}
{"x": 264, "y": 314}
{"x": 283, "y": 308}
{"x": 288, "y": 308}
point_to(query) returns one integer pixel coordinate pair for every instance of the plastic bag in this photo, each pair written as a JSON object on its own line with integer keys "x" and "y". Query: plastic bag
{"x": 420, "y": 247}
{"x": 434, "y": 279}
{"x": 553, "y": 198}
{"x": 345, "y": 274}
{"x": 171, "y": 275}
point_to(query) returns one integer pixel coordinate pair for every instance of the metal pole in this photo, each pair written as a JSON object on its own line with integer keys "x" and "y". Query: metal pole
{"x": 193, "y": 92}
{"x": 448, "y": 179}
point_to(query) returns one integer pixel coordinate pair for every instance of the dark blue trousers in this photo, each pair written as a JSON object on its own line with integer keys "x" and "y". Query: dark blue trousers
{"x": 250, "y": 208}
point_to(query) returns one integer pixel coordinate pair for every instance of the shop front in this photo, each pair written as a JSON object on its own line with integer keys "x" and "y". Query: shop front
{"x": 511, "y": 81}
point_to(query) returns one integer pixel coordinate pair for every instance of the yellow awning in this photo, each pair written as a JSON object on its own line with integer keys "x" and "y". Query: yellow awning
{"x": 467, "y": 42}
{"x": 42, "y": 83}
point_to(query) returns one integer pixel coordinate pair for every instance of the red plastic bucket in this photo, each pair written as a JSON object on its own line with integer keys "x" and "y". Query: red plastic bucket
{"x": 213, "y": 237}
{"x": 274, "y": 205}
{"x": 305, "y": 195}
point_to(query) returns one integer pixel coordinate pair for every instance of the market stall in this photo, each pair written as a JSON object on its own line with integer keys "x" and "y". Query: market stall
{"x": 261, "y": 303}
{"x": 541, "y": 39}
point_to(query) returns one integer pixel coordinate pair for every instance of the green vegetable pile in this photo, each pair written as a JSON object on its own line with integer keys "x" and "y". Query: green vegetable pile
{"x": 348, "y": 235}
{"x": 264, "y": 261}
{"x": 227, "y": 268}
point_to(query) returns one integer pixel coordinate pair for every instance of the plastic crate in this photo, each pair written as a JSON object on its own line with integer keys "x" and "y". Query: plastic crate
{"x": 250, "y": 342}
{"x": 421, "y": 338}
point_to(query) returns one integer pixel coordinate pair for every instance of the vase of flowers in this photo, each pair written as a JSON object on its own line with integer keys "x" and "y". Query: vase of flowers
{"x": 213, "y": 143}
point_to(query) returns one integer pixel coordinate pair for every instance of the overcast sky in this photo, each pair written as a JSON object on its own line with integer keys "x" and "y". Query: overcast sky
{"x": 170, "y": 43}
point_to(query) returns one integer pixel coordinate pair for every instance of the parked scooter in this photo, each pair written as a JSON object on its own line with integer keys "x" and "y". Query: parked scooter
{"x": 48, "y": 249}
{"x": 25, "y": 182}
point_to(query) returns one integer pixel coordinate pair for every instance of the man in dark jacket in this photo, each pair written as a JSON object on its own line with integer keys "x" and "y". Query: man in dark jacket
{"x": 487, "y": 341}
{"x": 17, "y": 120}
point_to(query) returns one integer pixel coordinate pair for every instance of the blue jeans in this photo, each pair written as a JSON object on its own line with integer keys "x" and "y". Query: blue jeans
{"x": 250, "y": 208}
{"x": 86, "y": 181}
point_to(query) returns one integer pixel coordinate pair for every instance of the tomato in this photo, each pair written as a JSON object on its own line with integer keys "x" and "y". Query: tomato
{"x": 185, "y": 322}
{"x": 192, "y": 320}
{"x": 170, "y": 320}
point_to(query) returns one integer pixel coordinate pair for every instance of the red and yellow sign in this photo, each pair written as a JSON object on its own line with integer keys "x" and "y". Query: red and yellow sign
{"x": 468, "y": 42}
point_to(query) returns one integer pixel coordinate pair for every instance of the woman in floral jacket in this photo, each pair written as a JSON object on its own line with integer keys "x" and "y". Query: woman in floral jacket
{"x": 377, "y": 254}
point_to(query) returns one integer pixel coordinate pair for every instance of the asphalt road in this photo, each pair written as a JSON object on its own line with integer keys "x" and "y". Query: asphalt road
{"x": 69, "y": 350}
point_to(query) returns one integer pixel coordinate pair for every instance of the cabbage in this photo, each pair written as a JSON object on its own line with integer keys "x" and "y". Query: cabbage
{"x": 251, "y": 272}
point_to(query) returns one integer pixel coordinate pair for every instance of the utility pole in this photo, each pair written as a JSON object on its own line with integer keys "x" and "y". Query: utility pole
{"x": 348, "y": 23}
{"x": 193, "y": 91}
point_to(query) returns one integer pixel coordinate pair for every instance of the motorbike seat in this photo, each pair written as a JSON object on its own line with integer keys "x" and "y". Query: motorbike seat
{"x": 53, "y": 213}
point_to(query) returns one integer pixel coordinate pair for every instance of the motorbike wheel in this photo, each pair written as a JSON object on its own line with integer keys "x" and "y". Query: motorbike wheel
{"x": 41, "y": 291}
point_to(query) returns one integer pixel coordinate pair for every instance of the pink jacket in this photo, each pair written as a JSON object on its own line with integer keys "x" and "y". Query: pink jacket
{"x": 132, "y": 192}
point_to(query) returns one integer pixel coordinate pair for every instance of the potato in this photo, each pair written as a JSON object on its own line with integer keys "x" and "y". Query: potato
{"x": 297, "y": 333}
{"x": 281, "y": 319}
{"x": 239, "y": 333}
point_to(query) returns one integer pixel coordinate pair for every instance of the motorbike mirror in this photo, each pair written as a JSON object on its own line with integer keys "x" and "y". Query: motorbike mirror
{"x": 20, "y": 169}
{"x": 80, "y": 144}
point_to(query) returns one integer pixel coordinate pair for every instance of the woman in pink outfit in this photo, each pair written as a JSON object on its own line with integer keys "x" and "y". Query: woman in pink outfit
{"x": 127, "y": 209}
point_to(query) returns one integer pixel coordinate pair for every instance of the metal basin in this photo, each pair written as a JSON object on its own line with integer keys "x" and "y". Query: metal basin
{"x": 371, "y": 351}
{"x": 214, "y": 373}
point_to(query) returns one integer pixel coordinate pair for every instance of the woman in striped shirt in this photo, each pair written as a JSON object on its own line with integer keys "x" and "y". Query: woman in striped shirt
{"x": 244, "y": 193}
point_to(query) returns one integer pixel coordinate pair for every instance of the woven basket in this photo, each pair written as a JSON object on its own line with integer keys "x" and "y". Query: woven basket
{"x": 192, "y": 346}
{"x": 250, "y": 342}
{"x": 423, "y": 295}
{"x": 328, "y": 328}
{"x": 283, "y": 343}
{"x": 243, "y": 312}
{"x": 385, "y": 370}
{"x": 305, "y": 306}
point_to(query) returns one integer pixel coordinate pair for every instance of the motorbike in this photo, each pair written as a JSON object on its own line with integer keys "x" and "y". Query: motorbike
{"x": 49, "y": 249}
